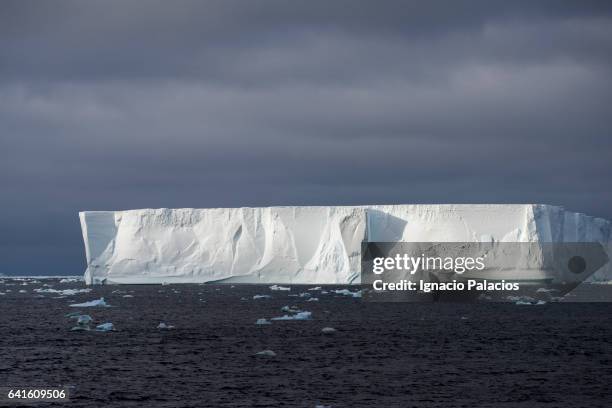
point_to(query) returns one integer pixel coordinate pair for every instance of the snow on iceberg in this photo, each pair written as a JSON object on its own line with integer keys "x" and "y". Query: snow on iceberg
{"x": 302, "y": 245}
{"x": 93, "y": 303}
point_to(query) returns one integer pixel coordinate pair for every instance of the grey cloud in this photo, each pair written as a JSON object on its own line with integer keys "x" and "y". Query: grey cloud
{"x": 114, "y": 105}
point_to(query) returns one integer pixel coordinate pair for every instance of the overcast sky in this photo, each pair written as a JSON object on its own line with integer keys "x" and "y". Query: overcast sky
{"x": 132, "y": 104}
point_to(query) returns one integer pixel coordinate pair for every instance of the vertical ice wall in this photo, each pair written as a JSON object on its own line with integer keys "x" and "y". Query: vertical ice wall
{"x": 275, "y": 244}
{"x": 301, "y": 244}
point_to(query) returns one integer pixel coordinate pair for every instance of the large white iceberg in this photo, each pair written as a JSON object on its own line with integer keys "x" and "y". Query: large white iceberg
{"x": 302, "y": 245}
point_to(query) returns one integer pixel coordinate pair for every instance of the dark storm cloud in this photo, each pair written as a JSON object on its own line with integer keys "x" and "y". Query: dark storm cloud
{"x": 113, "y": 105}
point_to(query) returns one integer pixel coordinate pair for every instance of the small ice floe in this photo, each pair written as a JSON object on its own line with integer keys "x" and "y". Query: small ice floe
{"x": 305, "y": 295}
{"x": 73, "y": 315}
{"x": 324, "y": 292}
{"x": 328, "y": 330}
{"x": 68, "y": 280}
{"x": 277, "y": 287}
{"x": 266, "y": 353}
{"x": 105, "y": 327}
{"x": 313, "y": 300}
{"x": 261, "y": 297}
{"x": 83, "y": 322}
{"x": 297, "y": 316}
{"x": 83, "y": 319}
{"x": 164, "y": 326}
{"x": 545, "y": 290}
{"x": 23, "y": 291}
{"x": 346, "y": 292}
{"x": 291, "y": 309}
{"x": 127, "y": 296}
{"x": 316, "y": 288}
{"x": 464, "y": 318}
{"x": 63, "y": 292}
{"x": 93, "y": 303}
{"x": 525, "y": 300}
{"x": 528, "y": 303}
{"x": 263, "y": 321}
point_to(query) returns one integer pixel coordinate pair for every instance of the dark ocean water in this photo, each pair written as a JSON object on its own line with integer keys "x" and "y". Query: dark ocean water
{"x": 382, "y": 355}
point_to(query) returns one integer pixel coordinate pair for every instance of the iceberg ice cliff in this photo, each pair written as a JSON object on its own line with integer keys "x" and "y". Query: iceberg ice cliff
{"x": 302, "y": 245}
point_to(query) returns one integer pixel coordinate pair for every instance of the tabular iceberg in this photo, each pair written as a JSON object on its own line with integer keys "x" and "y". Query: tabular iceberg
{"x": 302, "y": 245}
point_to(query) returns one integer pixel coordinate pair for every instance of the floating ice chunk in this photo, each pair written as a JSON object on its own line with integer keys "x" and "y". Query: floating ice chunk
{"x": 527, "y": 301}
{"x": 305, "y": 295}
{"x": 277, "y": 287}
{"x": 93, "y": 303}
{"x": 316, "y": 288}
{"x": 313, "y": 300}
{"x": 324, "y": 292}
{"x": 291, "y": 309}
{"x": 545, "y": 290}
{"x": 68, "y": 280}
{"x": 346, "y": 292}
{"x": 128, "y": 296}
{"x": 73, "y": 315}
{"x": 263, "y": 321}
{"x": 297, "y": 316}
{"x": 84, "y": 320}
{"x": 23, "y": 291}
{"x": 328, "y": 330}
{"x": 63, "y": 292}
{"x": 266, "y": 353}
{"x": 164, "y": 326}
{"x": 261, "y": 297}
{"x": 105, "y": 327}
